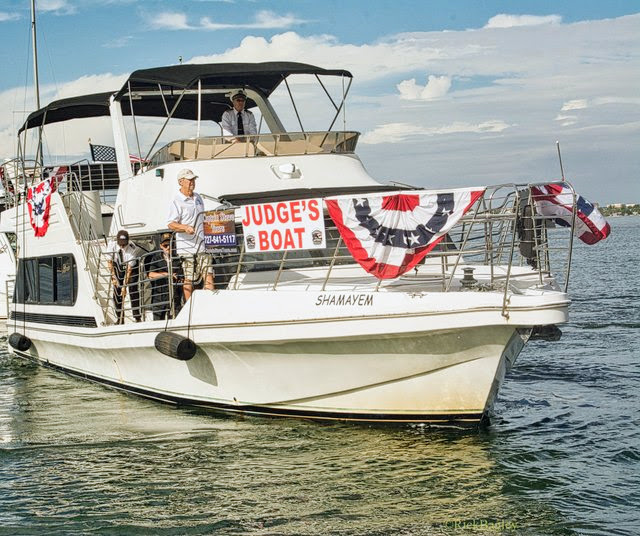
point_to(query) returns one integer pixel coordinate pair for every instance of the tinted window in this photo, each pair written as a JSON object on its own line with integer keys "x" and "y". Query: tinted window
{"x": 47, "y": 280}
{"x": 31, "y": 281}
{"x": 64, "y": 280}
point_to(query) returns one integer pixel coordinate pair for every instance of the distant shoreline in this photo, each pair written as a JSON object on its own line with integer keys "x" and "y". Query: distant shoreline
{"x": 620, "y": 209}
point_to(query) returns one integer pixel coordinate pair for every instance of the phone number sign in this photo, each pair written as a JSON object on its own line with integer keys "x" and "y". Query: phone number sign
{"x": 219, "y": 230}
{"x": 286, "y": 225}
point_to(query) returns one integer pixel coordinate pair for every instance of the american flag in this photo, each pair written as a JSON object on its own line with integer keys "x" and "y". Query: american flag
{"x": 102, "y": 153}
{"x": 556, "y": 200}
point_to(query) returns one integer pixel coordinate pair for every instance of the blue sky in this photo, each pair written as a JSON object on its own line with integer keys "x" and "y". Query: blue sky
{"x": 445, "y": 92}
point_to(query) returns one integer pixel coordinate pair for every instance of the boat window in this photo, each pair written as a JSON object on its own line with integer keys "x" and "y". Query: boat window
{"x": 66, "y": 291}
{"x": 26, "y": 282}
{"x": 47, "y": 281}
{"x": 11, "y": 237}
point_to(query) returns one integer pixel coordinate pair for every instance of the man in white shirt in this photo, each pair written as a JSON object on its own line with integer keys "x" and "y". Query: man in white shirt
{"x": 185, "y": 217}
{"x": 238, "y": 121}
{"x": 123, "y": 266}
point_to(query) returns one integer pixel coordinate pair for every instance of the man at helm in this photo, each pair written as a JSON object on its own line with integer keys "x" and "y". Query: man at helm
{"x": 238, "y": 121}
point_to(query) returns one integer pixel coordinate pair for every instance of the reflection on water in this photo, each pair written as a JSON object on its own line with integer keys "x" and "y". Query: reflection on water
{"x": 562, "y": 455}
{"x": 76, "y": 455}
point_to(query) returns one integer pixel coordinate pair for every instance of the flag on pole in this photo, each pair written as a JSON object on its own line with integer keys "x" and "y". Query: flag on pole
{"x": 102, "y": 153}
{"x": 389, "y": 234}
{"x": 556, "y": 201}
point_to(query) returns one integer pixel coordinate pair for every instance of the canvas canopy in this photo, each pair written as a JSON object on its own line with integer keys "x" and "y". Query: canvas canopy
{"x": 142, "y": 91}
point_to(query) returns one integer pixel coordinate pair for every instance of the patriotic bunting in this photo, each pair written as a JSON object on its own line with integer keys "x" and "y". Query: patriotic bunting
{"x": 389, "y": 234}
{"x": 39, "y": 204}
{"x": 556, "y": 200}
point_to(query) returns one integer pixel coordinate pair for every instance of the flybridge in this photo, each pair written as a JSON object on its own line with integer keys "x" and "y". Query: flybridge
{"x": 201, "y": 93}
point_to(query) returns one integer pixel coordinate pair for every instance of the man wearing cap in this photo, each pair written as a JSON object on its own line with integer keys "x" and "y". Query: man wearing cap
{"x": 162, "y": 267}
{"x": 238, "y": 121}
{"x": 123, "y": 266}
{"x": 185, "y": 217}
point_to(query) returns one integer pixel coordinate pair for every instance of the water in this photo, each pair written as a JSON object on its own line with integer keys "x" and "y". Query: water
{"x": 562, "y": 455}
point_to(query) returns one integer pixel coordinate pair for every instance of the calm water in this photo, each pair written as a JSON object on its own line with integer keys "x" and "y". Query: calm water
{"x": 562, "y": 455}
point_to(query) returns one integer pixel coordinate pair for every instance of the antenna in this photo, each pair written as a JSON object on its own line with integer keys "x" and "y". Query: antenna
{"x": 36, "y": 82}
{"x": 560, "y": 160}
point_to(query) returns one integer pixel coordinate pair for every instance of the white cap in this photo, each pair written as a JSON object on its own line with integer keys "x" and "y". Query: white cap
{"x": 238, "y": 94}
{"x": 187, "y": 174}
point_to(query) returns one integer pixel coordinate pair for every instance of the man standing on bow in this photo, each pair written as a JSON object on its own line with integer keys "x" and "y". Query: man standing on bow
{"x": 123, "y": 266}
{"x": 238, "y": 121}
{"x": 186, "y": 218}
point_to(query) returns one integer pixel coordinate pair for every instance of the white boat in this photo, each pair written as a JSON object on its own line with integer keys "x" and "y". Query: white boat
{"x": 294, "y": 332}
{"x": 7, "y": 242}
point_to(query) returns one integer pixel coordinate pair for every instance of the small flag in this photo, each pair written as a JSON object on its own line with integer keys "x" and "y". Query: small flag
{"x": 55, "y": 172}
{"x": 556, "y": 200}
{"x": 389, "y": 234}
{"x": 102, "y": 153}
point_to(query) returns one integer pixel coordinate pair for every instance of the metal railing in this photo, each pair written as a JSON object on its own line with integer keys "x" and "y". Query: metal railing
{"x": 86, "y": 222}
{"x": 495, "y": 247}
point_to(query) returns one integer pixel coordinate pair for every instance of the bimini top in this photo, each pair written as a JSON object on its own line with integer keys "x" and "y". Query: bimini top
{"x": 263, "y": 77}
{"x": 94, "y": 105}
{"x": 152, "y": 91}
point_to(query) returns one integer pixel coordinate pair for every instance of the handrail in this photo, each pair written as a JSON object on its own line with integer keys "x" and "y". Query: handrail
{"x": 486, "y": 239}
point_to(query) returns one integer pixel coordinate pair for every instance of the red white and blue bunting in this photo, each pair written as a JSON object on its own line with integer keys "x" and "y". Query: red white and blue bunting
{"x": 388, "y": 234}
{"x": 39, "y": 204}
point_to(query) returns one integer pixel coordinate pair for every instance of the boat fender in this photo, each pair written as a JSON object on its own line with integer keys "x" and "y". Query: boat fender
{"x": 19, "y": 342}
{"x": 175, "y": 345}
{"x": 526, "y": 228}
{"x": 549, "y": 333}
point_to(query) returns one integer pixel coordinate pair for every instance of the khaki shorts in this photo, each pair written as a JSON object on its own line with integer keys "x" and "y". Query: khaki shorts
{"x": 195, "y": 266}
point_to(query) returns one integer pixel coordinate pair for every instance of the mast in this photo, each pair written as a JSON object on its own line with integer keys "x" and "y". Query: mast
{"x": 35, "y": 53}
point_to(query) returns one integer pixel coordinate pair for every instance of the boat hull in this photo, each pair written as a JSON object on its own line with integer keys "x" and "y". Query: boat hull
{"x": 435, "y": 376}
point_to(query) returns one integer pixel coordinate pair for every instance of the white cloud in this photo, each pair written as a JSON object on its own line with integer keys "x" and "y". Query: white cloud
{"x": 575, "y": 104}
{"x": 263, "y": 20}
{"x": 436, "y": 87}
{"x": 566, "y": 120}
{"x": 169, "y": 20}
{"x": 4, "y": 16}
{"x": 119, "y": 42}
{"x": 400, "y": 132}
{"x": 504, "y": 20}
{"x": 60, "y": 7}
{"x": 525, "y": 81}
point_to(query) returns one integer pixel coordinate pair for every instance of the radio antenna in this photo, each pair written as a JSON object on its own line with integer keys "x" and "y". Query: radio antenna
{"x": 560, "y": 160}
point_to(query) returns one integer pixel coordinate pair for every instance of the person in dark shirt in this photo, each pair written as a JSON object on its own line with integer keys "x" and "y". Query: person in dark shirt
{"x": 123, "y": 265}
{"x": 161, "y": 266}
